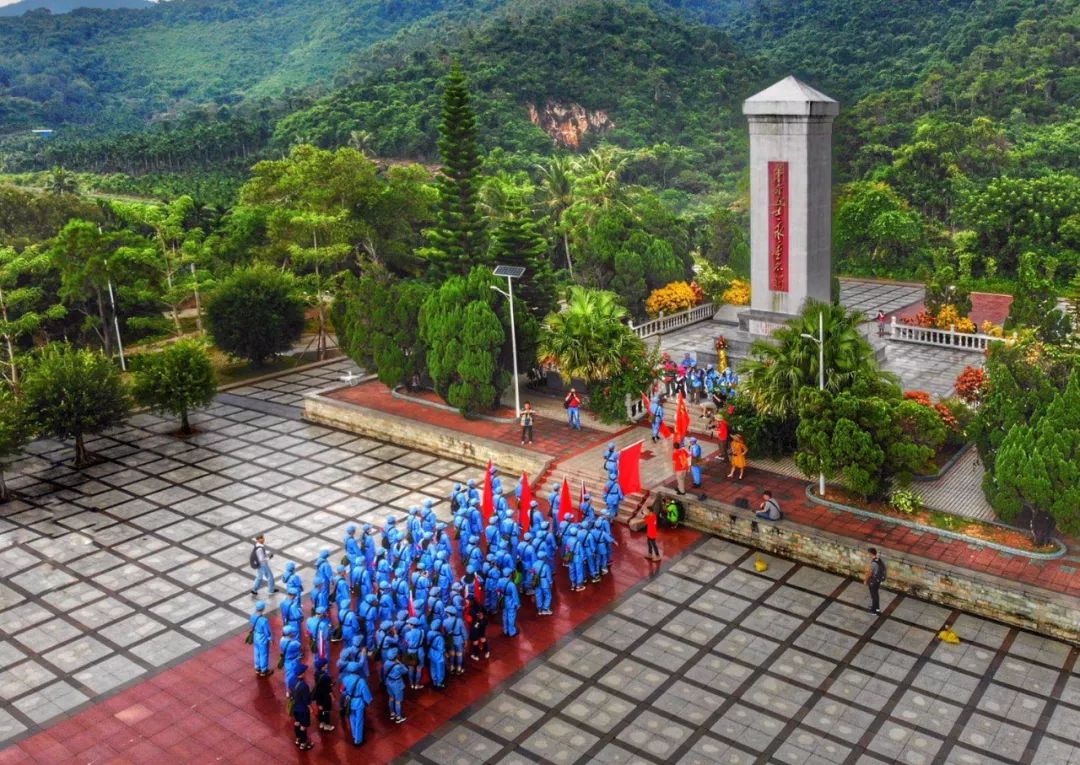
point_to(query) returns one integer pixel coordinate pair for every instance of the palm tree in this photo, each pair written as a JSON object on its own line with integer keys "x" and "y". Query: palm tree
{"x": 589, "y": 339}
{"x": 778, "y": 368}
{"x": 557, "y": 194}
{"x": 62, "y": 182}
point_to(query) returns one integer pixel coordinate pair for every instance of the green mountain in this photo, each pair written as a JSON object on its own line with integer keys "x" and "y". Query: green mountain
{"x": 67, "y": 6}
{"x": 119, "y": 68}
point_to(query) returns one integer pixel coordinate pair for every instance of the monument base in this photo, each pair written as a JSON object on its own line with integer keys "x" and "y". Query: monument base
{"x": 762, "y": 323}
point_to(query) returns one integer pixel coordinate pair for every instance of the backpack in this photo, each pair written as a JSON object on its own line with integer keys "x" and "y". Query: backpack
{"x": 254, "y": 559}
{"x": 880, "y": 577}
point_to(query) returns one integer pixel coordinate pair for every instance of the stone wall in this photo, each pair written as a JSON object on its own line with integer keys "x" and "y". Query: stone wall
{"x": 412, "y": 434}
{"x": 1039, "y": 610}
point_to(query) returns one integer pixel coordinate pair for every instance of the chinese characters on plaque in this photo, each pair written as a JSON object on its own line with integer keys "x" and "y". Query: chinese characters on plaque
{"x": 778, "y": 226}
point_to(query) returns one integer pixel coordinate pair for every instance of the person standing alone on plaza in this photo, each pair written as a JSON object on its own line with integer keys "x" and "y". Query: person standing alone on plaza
{"x": 875, "y": 575}
{"x": 260, "y": 561}
{"x": 572, "y": 402}
{"x": 738, "y": 456}
{"x": 526, "y": 418}
{"x": 652, "y": 550}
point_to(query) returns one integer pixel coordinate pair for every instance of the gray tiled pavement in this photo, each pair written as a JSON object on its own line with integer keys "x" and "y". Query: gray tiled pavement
{"x": 711, "y": 662}
{"x": 112, "y": 572}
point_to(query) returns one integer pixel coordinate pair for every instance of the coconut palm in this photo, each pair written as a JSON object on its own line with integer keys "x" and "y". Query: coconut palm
{"x": 589, "y": 339}
{"x": 557, "y": 195}
{"x": 778, "y": 368}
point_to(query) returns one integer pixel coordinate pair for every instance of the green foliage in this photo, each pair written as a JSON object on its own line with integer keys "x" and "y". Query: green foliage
{"x": 607, "y": 398}
{"x": 629, "y": 280}
{"x": 463, "y": 337}
{"x": 858, "y": 438}
{"x": 589, "y": 339}
{"x": 457, "y": 238}
{"x": 778, "y": 369}
{"x": 712, "y": 279}
{"x": 1038, "y": 466}
{"x": 254, "y": 314}
{"x": 72, "y": 393}
{"x": 876, "y": 231}
{"x": 1018, "y": 390}
{"x": 22, "y": 312}
{"x": 377, "y": 323}
{"x": 175, "y": 380}
{"x": 721, "y": 241}
{"x": 516, "y": 241}
{"x": 905, "y": 500}
{"x": 766, "y": 435}
{"x": 1035, "y": 302}
{"x": 14, "y": 433}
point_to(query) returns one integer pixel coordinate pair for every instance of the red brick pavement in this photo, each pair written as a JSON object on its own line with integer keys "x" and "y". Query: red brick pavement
{"x": 212, "y": 707}
{"x": 1059, "y": 575}
{"x": 550, "y": 437}
{"x": 985, "y": 306}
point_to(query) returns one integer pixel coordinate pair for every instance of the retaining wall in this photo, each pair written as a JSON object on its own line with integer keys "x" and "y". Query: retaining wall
{"x": 1039, "y": 610}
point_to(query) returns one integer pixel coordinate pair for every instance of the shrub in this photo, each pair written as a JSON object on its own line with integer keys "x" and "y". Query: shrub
{"x": 919, "y": 397}
{"x": 672, "y": 298}
{"x": 921, "y": 319}
{"x": 14, "y": 432}
{"x": 766, "y": 436}
{"x": 947, "y": 317}
{"x": 905, "y": 500}
{"x": 255, "y": 314}
{"x": 712, "y": 279}
{"x": 738, "y": 293}
{"x": 990, "y": 328}
{"x": 970, "y": 385}
{"x": 175, "y": 380}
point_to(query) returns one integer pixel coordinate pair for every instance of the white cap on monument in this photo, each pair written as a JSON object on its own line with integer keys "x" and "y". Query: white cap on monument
{"x": 791, "y": 97}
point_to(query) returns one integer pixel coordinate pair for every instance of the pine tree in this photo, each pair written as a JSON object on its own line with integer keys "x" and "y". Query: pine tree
{"x": 456, "y": 240}
{"x": 516, "y": 241}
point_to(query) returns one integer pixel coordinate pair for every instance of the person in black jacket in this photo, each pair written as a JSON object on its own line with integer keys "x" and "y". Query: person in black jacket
{"x": 324, "y": 694}
{"x": 300, "y": 696}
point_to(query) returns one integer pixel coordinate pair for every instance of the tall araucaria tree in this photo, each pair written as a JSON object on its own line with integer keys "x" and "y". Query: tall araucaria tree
{"x": 456, "y": 241}
{"x": 515, "y": 241}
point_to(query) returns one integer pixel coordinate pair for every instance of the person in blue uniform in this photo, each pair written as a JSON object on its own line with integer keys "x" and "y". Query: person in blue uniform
{"x": 352, "y": 547}
{"x": 261, "y": 636}
{"x": 511, "y": 603}
{"x": 657, "y": 412}
{"x": 695, "y": 462}
{"x": 319, "y": 630}
{"x": 436, "y": 653}
{"x": 356, "y": 695}
{"x": 291, "y": 579}
{"x": 292, "y": 612}
{"x": 454, "y": 626}
{"x": 542, "y": 581}
{"x": 342, "y": 593}
{"x": 291, "y": 653}
{"x": 394, "y": 674}
{"x": 413, "y": 637}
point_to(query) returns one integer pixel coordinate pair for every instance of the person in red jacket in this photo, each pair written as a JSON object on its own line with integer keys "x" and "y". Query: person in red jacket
{"x": 653, "y": 552}
{"x": 572, "y": 402}
{"x": 723, "y": 433}
{"x": 680, "y": 459}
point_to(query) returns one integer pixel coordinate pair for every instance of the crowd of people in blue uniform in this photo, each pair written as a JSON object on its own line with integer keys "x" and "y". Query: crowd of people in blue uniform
{"x": 417, "y": 599}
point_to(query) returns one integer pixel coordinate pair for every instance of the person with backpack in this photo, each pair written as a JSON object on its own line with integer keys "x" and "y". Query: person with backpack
{"x": 323, "y": 694}
{"x": 393, "y": 677}
{"x": 436, "y": 651}
{"x": 511, "y": 601}
{"x": 260, "y": 640}
{"x": 355, "y": 696}
{"x": 875, "y": 575}
{"x": 300, "y": 708}
{"x": 260, "y": 561}
{"x": 769, "y": 509}
{"x": 572, "y": 403}
{"x": 291, "y": 653}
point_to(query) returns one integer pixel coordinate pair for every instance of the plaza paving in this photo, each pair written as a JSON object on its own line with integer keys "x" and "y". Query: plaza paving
{"x": 713, "y": 662}
{"x": 139, "y": 564}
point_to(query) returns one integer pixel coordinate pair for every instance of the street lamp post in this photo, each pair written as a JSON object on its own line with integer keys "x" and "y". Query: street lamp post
{"x": 511, "y": 273}
{"x": 820, "y": 340}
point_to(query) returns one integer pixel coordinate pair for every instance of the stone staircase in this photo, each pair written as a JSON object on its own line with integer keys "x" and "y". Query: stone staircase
{"x": 551, "y": 478}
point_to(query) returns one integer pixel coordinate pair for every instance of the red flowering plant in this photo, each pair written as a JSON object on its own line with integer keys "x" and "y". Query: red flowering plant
{"x": 921, "y": 319}
{"x": 970, "y": 385}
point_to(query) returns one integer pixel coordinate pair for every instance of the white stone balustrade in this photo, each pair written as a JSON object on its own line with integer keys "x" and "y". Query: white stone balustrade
{"x": 662, "y": 323}
{"x": 941, "y": 338}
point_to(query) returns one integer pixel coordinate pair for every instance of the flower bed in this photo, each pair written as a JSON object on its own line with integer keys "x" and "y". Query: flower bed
{"x": 997, "y": 536}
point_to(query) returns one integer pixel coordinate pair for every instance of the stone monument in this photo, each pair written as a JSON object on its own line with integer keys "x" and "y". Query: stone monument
{"x": 790, "y": 201}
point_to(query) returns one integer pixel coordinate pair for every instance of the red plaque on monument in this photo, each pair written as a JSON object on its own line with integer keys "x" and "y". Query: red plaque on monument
{"x": 778, "y": 226}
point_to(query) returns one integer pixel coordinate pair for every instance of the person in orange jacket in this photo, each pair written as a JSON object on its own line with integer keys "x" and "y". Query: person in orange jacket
{"x": 738, "y": 455}
{"x": 680, "y": 459}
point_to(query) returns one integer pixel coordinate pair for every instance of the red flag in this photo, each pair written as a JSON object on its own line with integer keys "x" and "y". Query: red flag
{"x": 630, "y": 468}
{"x": 487, "y": 500}
{"x": 412, "y": 608}
{"x": 566, "y": 505}
{"x": 648, "y": 404}
{"x": 682, "y": 419}
{"x": 665, "y": 431}
{"x": 524, "y": 504}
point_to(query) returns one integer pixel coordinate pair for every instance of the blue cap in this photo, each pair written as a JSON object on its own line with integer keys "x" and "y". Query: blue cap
{"x": 290, "y": 630}
{"x": 320, "y": 610}
{"x": 350, "y": 529}
{"x": 260, "y": 605}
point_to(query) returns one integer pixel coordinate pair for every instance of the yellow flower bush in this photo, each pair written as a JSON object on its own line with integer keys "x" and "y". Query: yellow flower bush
{"x": 671, "y": 298}
{"x": 947, "y": 317}
{"x": 738, "y": 293}
{"x": 964, "y": 324}
{"x": 990, "y": 328}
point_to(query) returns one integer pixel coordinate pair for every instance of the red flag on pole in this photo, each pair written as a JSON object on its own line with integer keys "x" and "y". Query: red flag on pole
{"x": 665, "y": 431}
{"x": 524, "y": 504}
{"x": 487, "y": 499}
{"x": 648, "y": 404}
{"x": 566, "y": 505}
{"x": 630, "y": 468}
{"x": 682, "y": 419}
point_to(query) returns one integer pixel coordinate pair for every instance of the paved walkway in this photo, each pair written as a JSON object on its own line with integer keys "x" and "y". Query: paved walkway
{"x": 959, "y": 491}
{"x": 712, "y": 662}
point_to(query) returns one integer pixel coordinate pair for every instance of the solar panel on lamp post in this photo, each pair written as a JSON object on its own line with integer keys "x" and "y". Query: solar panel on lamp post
{"x": 511, "y": 273}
